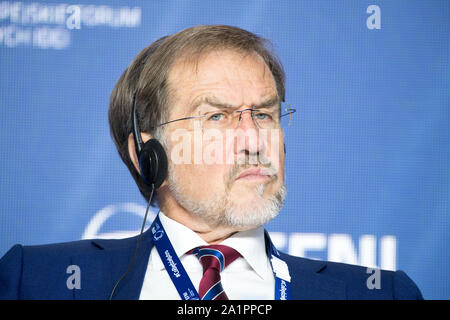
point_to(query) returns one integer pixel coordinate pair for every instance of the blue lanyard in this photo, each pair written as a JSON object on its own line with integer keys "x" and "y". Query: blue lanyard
{"x": 280, "y": 271}
{"x": 183, "y": 283}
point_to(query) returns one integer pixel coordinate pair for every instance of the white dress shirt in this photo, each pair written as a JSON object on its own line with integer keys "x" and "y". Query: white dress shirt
{"x": 248, "y": 277}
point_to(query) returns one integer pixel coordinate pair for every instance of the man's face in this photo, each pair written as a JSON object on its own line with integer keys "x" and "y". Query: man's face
{"x": 232, "y": 176}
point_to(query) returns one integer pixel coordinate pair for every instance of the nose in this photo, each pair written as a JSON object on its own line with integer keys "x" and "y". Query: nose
{"x": 245, "y": 120}
{"x": 247, "y": 136}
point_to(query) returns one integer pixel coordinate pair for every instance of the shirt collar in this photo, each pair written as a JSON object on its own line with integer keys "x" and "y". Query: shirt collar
{"x": 250, "y": 244}
{"x": 181, "y": 237}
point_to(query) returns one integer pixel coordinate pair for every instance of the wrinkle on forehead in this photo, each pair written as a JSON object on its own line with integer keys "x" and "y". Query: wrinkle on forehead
{"x": 198, "y": 73}
{"x": 191, "y": 59}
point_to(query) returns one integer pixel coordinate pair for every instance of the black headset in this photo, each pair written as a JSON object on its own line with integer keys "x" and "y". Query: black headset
{"x": 152, "y": 165}
{"x": 151, "y": 155}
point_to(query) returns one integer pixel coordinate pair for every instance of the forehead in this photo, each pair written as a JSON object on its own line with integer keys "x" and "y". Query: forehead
{"x": 231, "y": 77}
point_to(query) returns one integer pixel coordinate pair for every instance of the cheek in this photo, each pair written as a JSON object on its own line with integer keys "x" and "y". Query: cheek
{"x": 202, "y": 181}
{"x": 209, "y": 175}
{"x": 275, "y": 149}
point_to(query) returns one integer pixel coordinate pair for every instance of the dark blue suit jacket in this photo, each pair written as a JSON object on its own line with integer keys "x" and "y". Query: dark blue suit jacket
{"x": 41, "y": 272}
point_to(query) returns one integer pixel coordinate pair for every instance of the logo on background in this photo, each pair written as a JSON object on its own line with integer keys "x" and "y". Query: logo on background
{"x": 94, "y": 227}
{"x": 46, "y": 25}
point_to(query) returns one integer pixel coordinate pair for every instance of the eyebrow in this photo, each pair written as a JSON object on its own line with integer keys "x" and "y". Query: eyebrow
{"x": 271, "y": 101}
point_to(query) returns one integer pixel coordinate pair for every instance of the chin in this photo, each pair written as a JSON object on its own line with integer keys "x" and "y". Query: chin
{"x": 255, "y": 209}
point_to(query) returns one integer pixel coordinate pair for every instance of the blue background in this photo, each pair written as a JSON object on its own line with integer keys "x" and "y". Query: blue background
{"x": 368, "y": 153}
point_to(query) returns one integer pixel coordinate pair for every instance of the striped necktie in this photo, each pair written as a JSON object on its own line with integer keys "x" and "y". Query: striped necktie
{"x": 214, "y": 258}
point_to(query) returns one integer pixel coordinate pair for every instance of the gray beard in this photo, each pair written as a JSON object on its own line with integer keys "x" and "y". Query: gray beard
{"x": 222, "y": 211}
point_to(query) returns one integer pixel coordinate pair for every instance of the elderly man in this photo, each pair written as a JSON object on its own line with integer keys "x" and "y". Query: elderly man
{"x": 197, "y": 117}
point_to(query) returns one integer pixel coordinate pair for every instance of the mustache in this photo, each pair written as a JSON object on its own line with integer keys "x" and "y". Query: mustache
{"x": 240, "y": 166}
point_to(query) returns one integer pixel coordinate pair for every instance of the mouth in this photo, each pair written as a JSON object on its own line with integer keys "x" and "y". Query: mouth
{"x": 255, "y": 174}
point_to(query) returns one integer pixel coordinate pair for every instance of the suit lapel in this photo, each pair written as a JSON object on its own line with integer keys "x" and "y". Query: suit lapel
{"x": 307, "y": 282}
{"x": 101, "y": 269}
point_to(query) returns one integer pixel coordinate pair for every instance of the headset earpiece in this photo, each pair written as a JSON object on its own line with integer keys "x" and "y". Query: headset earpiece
{"x": 152, "y": 156}
{"x": 153, "y": 163}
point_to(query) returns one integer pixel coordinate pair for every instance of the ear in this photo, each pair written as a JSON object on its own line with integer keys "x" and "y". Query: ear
{"x": 132, "y": 150}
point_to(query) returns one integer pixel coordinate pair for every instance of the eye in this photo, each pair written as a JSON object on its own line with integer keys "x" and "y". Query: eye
{"x": 216, "y": 116}
{"x": 263, "y": 116}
